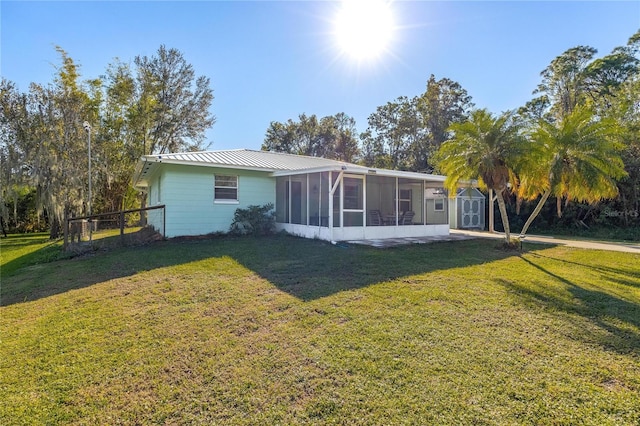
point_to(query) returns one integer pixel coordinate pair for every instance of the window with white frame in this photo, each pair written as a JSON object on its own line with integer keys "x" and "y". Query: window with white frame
{"x": 438, "y": 204}
{"x": 226, "y": 188}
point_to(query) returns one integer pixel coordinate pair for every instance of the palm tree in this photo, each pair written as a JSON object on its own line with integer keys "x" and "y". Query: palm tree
{"x": 576, "y": 158}
{"x": 483, "y": 149}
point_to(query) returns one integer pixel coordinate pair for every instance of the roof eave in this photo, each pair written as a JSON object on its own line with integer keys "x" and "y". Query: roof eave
{"x": 363, "y": 171}
{"x": 216, "y": 165}
{"x": 148, "y": 164}
{"x": 144, "y": 169}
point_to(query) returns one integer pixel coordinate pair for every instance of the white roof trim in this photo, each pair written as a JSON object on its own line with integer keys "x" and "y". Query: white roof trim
{"x": 203, "y": 164}
{"x": 364, "y": 171}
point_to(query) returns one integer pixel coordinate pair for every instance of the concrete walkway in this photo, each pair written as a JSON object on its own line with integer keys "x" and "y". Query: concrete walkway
{"x": 583, "y": 244}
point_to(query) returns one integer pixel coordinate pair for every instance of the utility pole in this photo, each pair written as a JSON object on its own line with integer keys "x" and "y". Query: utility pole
{"x": 87, "y": 128}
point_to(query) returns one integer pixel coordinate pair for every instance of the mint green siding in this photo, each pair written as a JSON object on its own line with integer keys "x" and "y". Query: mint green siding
{"x": 154, "y": 197}
{"x": 188, "y": 194}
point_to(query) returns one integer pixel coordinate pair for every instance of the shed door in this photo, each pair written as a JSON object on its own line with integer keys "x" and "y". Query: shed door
{"x": 470, "y": 213}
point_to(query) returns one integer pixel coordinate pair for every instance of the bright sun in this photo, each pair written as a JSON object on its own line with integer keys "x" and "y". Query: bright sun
{"x": 364, "y": 28}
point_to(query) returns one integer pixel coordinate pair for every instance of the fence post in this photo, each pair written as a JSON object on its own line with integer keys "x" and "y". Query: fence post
{"x": 122, "y": 227}
{"x": 65, "y": 230}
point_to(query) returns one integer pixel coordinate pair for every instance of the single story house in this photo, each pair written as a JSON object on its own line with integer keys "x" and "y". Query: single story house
{"x": 313, "y": 197}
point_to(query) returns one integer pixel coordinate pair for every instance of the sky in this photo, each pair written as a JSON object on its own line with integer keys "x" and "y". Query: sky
{"x": 274, "y": 60}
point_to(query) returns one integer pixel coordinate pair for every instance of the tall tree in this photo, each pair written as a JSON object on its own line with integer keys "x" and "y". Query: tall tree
{"x": 604, "y": 76}
{"x": 444, "y": 102}
{"x": 304, "y": 137}
{"x": 309, "y": 136}
{"x": 58, "y": 150}
{"x": 281, "y": 137}
{"x": 172, "y": 108}
{"x": 576, "y": 79}
{"x": 346, "y": 143}
{"x": 394, "y": 129}
{"x": 407, "y": 132}
{"x": 578, "y": 160}
{"x": 626, "y": 111}
{"x": 536, "y": 109}
{"x": 160, "y": 106}
{"x": 622, "y": 104}
{"x": 484, "y": 148}
{"x": 329, "y": 137}
{"x": 117, "y": 140}
{"x": 564, "y": 80}
{"x": 14, "y": 133}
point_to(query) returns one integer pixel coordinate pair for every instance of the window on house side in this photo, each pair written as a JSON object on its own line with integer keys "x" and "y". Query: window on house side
{"x": 226, "y": 188}
{"x": 438, "y": 204}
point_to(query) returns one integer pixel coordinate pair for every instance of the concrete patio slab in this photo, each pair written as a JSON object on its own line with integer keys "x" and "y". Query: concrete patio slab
{"x": 394, "y": 242}
{"x": 459, "y": 234}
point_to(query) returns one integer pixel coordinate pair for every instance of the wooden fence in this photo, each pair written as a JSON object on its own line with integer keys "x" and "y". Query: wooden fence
{"x": 81, "y": 227}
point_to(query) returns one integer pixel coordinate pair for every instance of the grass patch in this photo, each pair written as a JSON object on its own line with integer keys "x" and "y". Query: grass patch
{"x": 289, "y": 331}
{"x": 599, "y": 233}
{"x": 21, "y": 250}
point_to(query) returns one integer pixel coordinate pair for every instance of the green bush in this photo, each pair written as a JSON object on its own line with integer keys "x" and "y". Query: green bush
{"x": 254, "y": 220}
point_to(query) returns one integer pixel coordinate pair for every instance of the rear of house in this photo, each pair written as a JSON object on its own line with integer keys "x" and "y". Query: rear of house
{"x": 313, "y": 197}
{"x": 202, "y": 200}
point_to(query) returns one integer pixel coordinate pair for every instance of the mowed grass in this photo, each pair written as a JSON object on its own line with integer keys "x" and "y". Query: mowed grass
{"x": 19, "y": 251}
{"x": 286, "y": 331}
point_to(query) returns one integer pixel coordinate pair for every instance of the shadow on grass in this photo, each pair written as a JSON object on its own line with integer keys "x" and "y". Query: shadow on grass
{"x": 314, "y": 270}
{"x": 20, "y": 240}
{"x": 306, "y": 269}
{"x": 48, "y": 252}
{"x": 618, "y": 318}
{"x": 624, "y": 276}
{"x": 51, "y": 251}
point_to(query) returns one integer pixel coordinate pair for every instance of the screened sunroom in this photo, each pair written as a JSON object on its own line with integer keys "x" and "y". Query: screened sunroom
{"x": 354, "y": 203}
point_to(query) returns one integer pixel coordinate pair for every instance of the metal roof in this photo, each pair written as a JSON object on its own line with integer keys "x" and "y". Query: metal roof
{"x": 247, "y": 159}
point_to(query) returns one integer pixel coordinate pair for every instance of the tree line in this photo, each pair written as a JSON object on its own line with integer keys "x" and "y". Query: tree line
{"x": 155, "y": 105}
{"x": 570, "y": 156}
{"x": 403, "y": 134}
{"x": 577, "y": 142}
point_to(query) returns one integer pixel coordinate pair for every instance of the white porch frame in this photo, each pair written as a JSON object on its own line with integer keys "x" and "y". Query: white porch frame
{"x": 341, "y": 232}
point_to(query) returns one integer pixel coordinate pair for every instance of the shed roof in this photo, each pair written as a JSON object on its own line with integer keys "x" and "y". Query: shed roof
{"x": 469, "y": 192}
{"x": 247, "y": 159}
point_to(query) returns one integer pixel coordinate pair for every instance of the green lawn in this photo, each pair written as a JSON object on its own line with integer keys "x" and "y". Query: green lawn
{"x": 289, "y": 331}
{"x": 19, "y": 251}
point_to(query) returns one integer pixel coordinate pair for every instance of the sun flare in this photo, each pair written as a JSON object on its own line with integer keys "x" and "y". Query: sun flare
{"x": 364, "y": 28}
